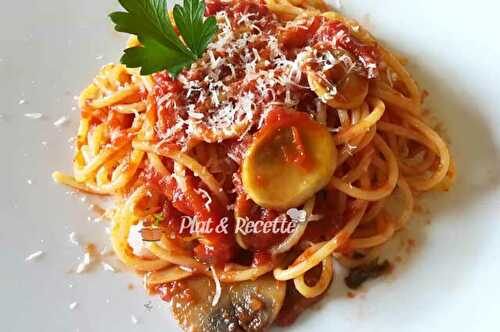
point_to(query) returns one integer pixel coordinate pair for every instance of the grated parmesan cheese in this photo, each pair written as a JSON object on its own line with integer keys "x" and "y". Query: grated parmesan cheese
{"x": 33, "y": 116}
{"x": 73, "y": 239}
{"x": 218, "y": 288}
{"x": 205, "y": 194}
{"x": 33, "y": 256}
{"x": 62, "y": 120}
{"x": 84, "y": 265}
{"x": 108, "y": 267}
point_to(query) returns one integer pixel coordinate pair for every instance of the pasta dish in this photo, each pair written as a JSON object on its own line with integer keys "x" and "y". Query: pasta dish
{"x": 251, "y": 168}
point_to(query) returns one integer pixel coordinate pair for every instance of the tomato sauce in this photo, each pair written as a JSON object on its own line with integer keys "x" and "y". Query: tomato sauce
{"x": 194, "y": 107}
{"x": 341, "y": 36}
{"x": 295, "y": 304}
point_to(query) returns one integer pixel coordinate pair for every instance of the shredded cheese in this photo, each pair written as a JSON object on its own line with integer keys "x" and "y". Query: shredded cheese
{"x": 62, "y": 120}
{"x": 33, "y": 256}
{"x": 84, "y": 265}
{"x": 218, "y": 288}
{"x": 33, "y": 116}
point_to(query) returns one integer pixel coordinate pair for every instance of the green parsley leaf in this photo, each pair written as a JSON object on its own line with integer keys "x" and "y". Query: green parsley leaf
{"x": 161, "y": 47}
{"x": 158, "y": 217}
{"x": 195, "y": 32}
{"x": 153, "y": 57}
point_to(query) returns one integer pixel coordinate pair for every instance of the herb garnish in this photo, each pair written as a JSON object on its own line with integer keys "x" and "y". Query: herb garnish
{"x": 161, "y": 47}
{"x": 158, "y": 217}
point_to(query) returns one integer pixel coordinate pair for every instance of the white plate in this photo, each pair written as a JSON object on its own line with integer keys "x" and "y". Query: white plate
{"x": 50, "y": 50}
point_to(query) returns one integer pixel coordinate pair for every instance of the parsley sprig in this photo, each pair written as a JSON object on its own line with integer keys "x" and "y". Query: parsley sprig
{"x": 161, "y": 48}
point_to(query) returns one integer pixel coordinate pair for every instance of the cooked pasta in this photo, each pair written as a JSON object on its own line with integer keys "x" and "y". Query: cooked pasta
{"x": 293, "y": 110}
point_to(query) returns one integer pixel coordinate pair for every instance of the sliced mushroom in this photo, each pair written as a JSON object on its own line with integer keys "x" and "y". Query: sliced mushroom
{"x": 246, "y": 306}
{"x": 341, "y": 86}
{"x": 291, "y": 158}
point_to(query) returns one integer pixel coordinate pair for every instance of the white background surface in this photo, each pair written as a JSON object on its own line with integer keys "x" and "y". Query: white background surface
{"x": 49, "y": 50}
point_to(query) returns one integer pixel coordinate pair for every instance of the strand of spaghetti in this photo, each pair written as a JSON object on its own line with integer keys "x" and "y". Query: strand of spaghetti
{"x": 356, "y": 145}
{"x": 113, "y": 167}
{"x": 361, "y": 167}
{"x": 188, "y": 162}
{"x": 83, "y": 172}
{"x": 420, "y": 167}
{"x": 321, "y": 286}
{"x": 123, "y": 219}
{"x": 316, "y": 4}
{"x": 350, "y": 262}
{"x": 173, "y": 273}
{"x": 284, "y": 8}
{"x": 102, "y": 82}
{"x": 157, "y": 164}
{"x": 431, "y": 153}
{"x": 115, "y": 97}
{"x": 251, "y": 273}
{"x": 95, "y": 140}
{"x": 364, "y": 125}
{"x": 373, "y": 194}
{"x": 70, "y": 181}
{"x": 408, "y": 206}
{"x": 403, "y": 74}
{"x": 115, "y": 75}
{"x": 407, "y": 133}
{"x": 123, "y": 178}
{"x": 393, "y": 97}
{"x": 81, "y": 135}
{"x": 177, "y": 257}
{"x": 130, "y": 108}
{"x": 373, "y": 241}
{"x": 356, "y": 113}
{"x": 448, "y": 180}
{"x": 228, "y": 276}
{"x": 418, "y": 183}
{"x": 373, "y": 211}
{"x": 307, "y": 263}
{"x": 106, "y": 171}
{"x": 294, "y": 238}
{"x": 368, "y": 229}
{"x": 345, "y": 120}
{"x": 86, "y": 153}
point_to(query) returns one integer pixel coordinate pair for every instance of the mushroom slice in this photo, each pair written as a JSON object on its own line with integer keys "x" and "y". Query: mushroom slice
{"x": 341, "y": 85}
{"x": 291, "y": 158}
{"x": 245, "y": 306}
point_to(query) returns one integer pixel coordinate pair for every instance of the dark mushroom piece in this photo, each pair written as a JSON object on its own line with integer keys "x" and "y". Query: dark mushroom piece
{"x": 248, "y": 306}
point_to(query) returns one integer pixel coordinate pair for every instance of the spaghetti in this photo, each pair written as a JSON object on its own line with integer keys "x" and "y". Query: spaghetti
{"x": 293, "y": 106}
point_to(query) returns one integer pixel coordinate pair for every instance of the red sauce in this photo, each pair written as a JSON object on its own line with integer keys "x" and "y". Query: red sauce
{"x": 176, "y": 289}
{"x": 261, "y": 257}
{"x": 168, "y": 111}
{"x": 259, "y": 240}
{"x": 298, "y": 37}
{"x": 279, "y": 126}
{"x": 297, "y": 154}
{"x": 167, "y": 92}
{"x": 295, "y": 304}
{"x": 214, "y": 6}
{"x": 341, "y": 36}
{"x": 331, "y": 223}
